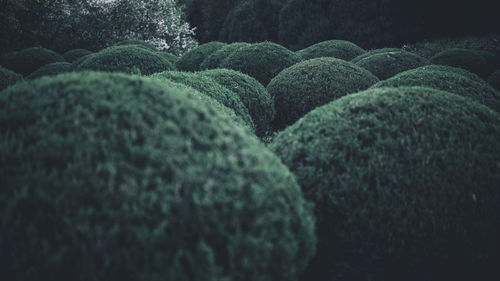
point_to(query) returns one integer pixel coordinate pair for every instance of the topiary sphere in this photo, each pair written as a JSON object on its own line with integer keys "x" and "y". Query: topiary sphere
{"x": 140, "y": 43}
{"x": 405, "y": 185}
{"x": 262, "y": 61}
{"x": 73, "y": 55}
{"x": 254, "y": 96}
{"x": 373, "y": 52}
{"x": 215, "y": 59}
{"x": 494, "y": 80}
{"x": 309, "y": 84}
{"x": 28, "y": 60}
{"x": 463, "y": 58}
{"x": 192, "y": 60}
{"x": 8, "y": 78}
{"x": 339, "y": 49}
{"x": 173, "y": 59}
{"x": 127, "y": 59}
{"x": 110, "y": 177}
{"x": 211, "y": 88}
{"x": 51, "y": 69}
{"x": 450, "y": 80}
{"x": 387, "y": 64}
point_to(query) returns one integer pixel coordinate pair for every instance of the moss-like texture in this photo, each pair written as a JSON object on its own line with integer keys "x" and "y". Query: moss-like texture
{"x": 191, "y": 61}
{"x": 312, "y": 83}
{"x": 141, "y": 43}
{"x": 262, "y": 61}
{"x": 112, "y": 177}
{"x": 170, "y": 57}
{"x": 50, "y": 69}
{"x": 339, "y": 49}
{"x": 387, "y": 64}
{"x": 216, "y": 58}
{"x": 373, "y": 52}
{"x": 73, "y": 55}
{"x": 492, "y": 61}
{"x": 28, "y": 60}
{"x": 254, "y": 96}
{"x": 8, "y": 78}
{"x": 463, "y": 58}
{"x": 450, "y": 79}
{"x": 494, "y": 80}
{"x": 127, "y": 59}
{"x": 211, "y": 88}
{"x": 405, "y": 185}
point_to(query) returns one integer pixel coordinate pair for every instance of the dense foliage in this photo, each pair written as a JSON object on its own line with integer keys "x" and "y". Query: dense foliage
{"x": 140, "y": 182}
{"x": 262, "y": 61}
{"x": 405, "y": 185}
{"x": 8, "y": 77}
{"x": 28, "y": 60}
{"x": 494, "y": 80}
{"x": 373, "y": 52}
{"x": 127, "y": 59}
{"x": 216, "y": 58}
{"x": 306, "y": 85}
{"x": 73, "y": 55}
{"x": 192, "y": 60}
{"x": 50, "y": 69}
{"x": 339, "y": 49}
{"x": 387, "y": 64}
{"x": 463, "y": 58}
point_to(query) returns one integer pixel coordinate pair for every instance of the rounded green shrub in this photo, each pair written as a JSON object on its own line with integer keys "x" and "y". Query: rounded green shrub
{"x": 446, "y": 80}
{"x": 373, "y": 52}
{"x": 51, "y": 69}
{"x": 339, "y": 49}
{"x": 387, "y": 64}
{"x": 494, "y": 80}
{"x": 173, "y": 59}
{"x": 8, "y": 78}
{"x": 306, "y": 85}
{"x": 405, "y": 185}
{"x": 262, "y": 61}
{"x": 254, "y": 96}
{"x": 455, "y": 70}
{"x": 128, "y": 59}
{"x": 106, "y": 176}
{"x": 463, "y": 58}
{"x": 211, "y": 88}
{"x": 73, "y": 55}
{"x": 191, "y": 61}
{"x": 492, "y": 61}
{"x": 28, "y": 60}
{"x": 140, "y": 43}
{"x": 216, "y": 58}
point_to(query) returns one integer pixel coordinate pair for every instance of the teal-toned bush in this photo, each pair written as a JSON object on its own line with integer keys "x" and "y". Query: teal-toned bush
{"x": 492, "y": 61}
{"x": 494, "y": 80}
{"x": 405, "y": 185}
{"x": 78, "y": 61}
{"x": 450, "y": 79}
{"x": 191, "y": 61}
{"x": 28, "y": 60}
{"x": 110, "y": 177}
{"x": 312, "y": 83}
{"x": 455, "y": 70}
{"x": 262, "y": 61}
{"x": 216, "y": 58}
{"x": 339, "y": 49}
{"x": 140, "y": 43}
{"x": 211, "y": 88}
{"x": 387, "y": 64}
{"x": 254, "y": 96}
{"x": 8, "y": 78}
{"x": 127, "y": 59}
{"x": 73, "y": 55}
{"x": 51, "y": 69}
{"x": 463, "y": 58}
{"x": 373, "y": 52}
{"x": 173, "y": 59}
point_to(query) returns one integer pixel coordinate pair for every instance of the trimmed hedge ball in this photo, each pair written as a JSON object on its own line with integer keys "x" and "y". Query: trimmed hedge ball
{"x": 211, "y": 88}
{"x": 263, "y": 61}
{"x": 28, "y": 60}
{"x": 463, "y": 58}
{"x": 312, "y": 83}
{"x": 405, "y": 185}
{"x": 51, "y": 69}
{"x": 170, "y": 57}
{"x": 456, "y": 70}
{"x": 254, "y": 96}
{"x": 127, "y": 59}
{"x": 216, "y": 58}
{"x": 73, "y": 55}
{"x": 451, "y": 81}
{"x": 192, "y": 60}
{"x": 339, "y": 49}
{"x": 8, "y": 78}
{"x": 387, "y": 64}
{"x": 373, "y": 52}
{"x": 106, "y": 176}
{"x": 140, "y": 43}
{"x": 494, "y": 80}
